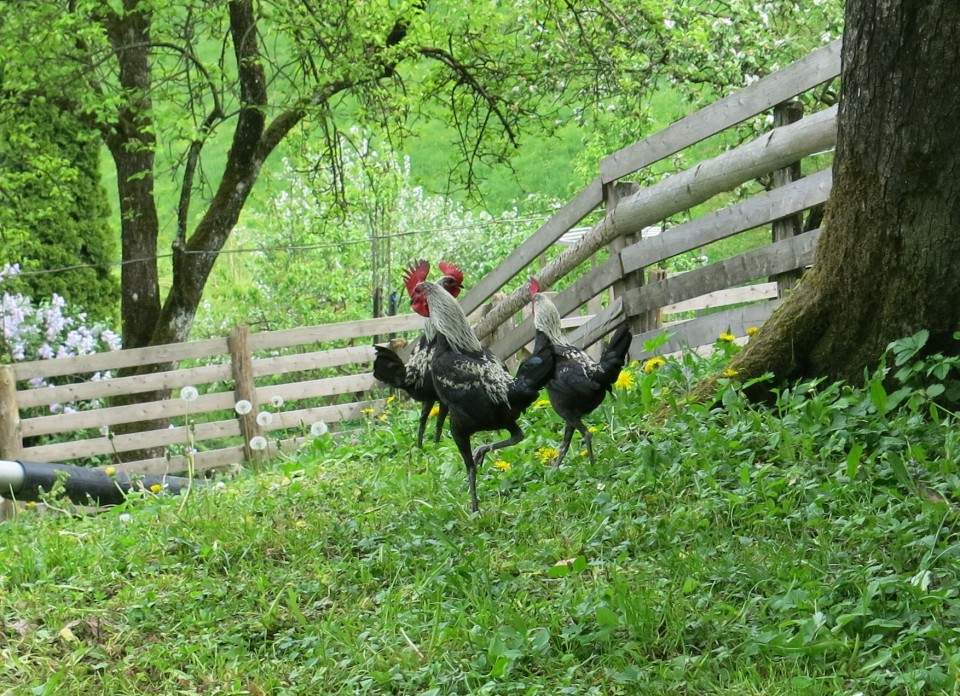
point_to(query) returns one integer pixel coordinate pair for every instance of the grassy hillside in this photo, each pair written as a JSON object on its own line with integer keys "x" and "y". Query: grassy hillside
{"x": 807, "y": 548}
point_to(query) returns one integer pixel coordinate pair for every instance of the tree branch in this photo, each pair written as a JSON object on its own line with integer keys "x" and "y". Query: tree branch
{"x": 467, "y": 78}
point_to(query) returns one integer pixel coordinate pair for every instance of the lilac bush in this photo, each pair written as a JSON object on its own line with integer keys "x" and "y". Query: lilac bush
{"x": 44, "y": 330}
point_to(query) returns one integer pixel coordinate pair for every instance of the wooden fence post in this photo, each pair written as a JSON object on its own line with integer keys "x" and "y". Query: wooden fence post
{"x": 11, "y": 444}
{"x": 784, "y": 114}
{"x": 612, "y": 193}
{"x": 244, "y": 388}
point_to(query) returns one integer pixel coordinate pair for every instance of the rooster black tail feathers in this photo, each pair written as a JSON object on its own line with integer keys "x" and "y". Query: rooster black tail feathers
{"x": 388, "y": 367}
{"x": 616, "y": 353}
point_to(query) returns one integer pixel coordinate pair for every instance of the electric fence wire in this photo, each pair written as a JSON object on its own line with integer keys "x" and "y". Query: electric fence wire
{"x": 499, "y": 222}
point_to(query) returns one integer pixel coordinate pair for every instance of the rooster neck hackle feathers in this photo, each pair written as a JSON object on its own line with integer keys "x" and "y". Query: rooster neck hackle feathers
{"x": 449, "y": 319}
{"x": 546, "y": 318}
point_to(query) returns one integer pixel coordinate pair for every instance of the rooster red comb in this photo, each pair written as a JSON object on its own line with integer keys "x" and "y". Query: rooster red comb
{"x": 415, "y": 273}
{"x": 534, "y": 286}
{"x": 451, "y": 270}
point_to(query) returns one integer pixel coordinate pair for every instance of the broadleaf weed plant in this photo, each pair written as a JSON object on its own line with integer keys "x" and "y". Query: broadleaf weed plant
{"x": 734, "y": 547}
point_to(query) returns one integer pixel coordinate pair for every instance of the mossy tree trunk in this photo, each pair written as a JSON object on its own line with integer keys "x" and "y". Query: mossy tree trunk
{"x": 888, "y": 263}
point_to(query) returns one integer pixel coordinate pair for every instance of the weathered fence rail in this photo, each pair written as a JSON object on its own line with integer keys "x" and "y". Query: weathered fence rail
{"x": 321, "y": 379}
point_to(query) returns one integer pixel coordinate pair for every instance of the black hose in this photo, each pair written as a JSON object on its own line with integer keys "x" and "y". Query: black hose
{"x": 84, "y": 486}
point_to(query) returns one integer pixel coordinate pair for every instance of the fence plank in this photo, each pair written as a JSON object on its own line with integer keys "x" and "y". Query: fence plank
{"x": 679, "y": 192}
{"x": 304, "y": 362}
{"x": 309, "y": 389}
{"x": 323, "y": 333}
{"x": 726, "y": 222}
{"x": 704, "y": 331}
{"x": 129, "y": 442}
{"x": 305, "y": 417}
{"x": 92, "y": 447}
{"x": 114, "y": 360}
{"x": 743, "y": 268}
{"x": 561, "y": 222}
{"x": 118, "y": 386}
{"x": 162, "y": 466}
{"x": 722, "y": 298}
{"x": 131, "y": 413}
{"x": 806, "y": 73}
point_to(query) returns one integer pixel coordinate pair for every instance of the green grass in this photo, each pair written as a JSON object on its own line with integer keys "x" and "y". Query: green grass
{"x": 807, "y": 548}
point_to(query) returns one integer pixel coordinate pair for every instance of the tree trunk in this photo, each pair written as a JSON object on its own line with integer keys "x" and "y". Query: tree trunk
{"x": 132, "y": 144}
{"x": 886, "y": 265}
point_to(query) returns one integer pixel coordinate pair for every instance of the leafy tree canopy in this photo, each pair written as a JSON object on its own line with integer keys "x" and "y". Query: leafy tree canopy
{"x": 217, "y": 86}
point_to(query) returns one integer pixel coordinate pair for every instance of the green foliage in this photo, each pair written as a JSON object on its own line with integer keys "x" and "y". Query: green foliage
{"x": 495, "y": 75}
{"x": 53, "y": 210}
{"x": 805, "y": 548}
{"x": 325, "y": 253}
{"x": 689, "y": 54}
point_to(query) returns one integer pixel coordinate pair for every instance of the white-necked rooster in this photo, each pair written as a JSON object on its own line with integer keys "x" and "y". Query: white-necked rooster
{"x": 414, "y": 378}
{"x": 579, "y": 384}
{"x": 474, "y": 385}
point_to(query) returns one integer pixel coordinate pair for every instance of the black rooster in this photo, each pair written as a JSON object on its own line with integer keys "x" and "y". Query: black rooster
{"x": 414, "y": 378}
{"x": 579, "y": 384}
{"x": 474, "y": 384}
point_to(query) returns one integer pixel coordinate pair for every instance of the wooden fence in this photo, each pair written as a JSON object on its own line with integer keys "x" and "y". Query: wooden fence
{"x": 322, "y": 373}
{"x": 233, "y": 367}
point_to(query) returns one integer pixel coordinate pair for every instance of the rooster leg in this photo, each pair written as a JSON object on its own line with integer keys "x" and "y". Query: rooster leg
{"x": 587, "y": 440}
{"x": 516, "y": 434}
{"x": 441, "y": 418}
{"x": 462, "y": 441}
{"x": 424, "y": 415}
{"x": 565, "y": 445}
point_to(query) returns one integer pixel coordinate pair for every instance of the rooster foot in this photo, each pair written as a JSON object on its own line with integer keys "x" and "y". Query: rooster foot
{"x": 479, "y": 453}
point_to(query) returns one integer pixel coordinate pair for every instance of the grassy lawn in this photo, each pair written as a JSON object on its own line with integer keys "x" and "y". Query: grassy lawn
{"x": 805, "y": 548}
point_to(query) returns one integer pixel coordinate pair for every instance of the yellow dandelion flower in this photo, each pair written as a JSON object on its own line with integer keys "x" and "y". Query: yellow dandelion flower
{"x": 652, "y": 364}
{"x": 30, "y": 505}
{"x": 434, "y": 411}
{"x": 502, "y": 465}
{"x": 730, "y": 372}
{"x": 753, "y": 331}
{"x": 541, "y": 403}
{"x": 391, "y": 399}
{"x": 156, "y": 488}
{"x": 634, "y": 363}
{"x": 382, "y": 417}
{"x": 726, "y": 337}
{"x": 624, "y": 381}
{"x": 546, "y": 454}
{"x": 110, "y": 470}
{"x": 366, "y": 411}
{"x": 584, "y": 453}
